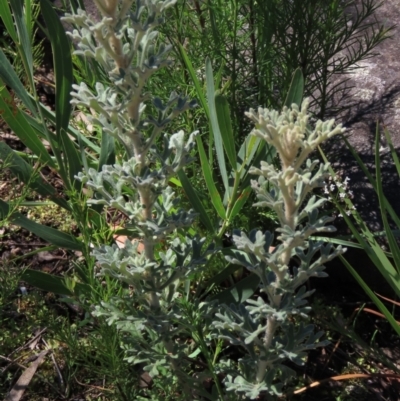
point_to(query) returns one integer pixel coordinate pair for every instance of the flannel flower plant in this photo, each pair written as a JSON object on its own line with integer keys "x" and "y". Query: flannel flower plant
{"x": 266, "y": 328}
{"x": 124, "y": 43}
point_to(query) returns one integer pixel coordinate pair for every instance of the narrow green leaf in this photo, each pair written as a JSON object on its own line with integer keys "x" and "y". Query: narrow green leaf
{"x": 25, "y": 173}
{"x": 76, "y": 4}
{"x": 62, "y": 66}
{"x": 50, "y": 115}
{"x": 264, "y": 153}
{"x": 62, "y": 61}
{"x": 246, "y": 153}
{"x": 29, "y": 23}
{"x": 84, "y": 155}
{"x": 175, "y": 182}
{"x": 10, "y": 78}
{"x": 8, "y": 22}
{"x": 394, "y": 248}
{"x": 72, "y": 158}
{"x": 51, "y": 235}
{"x": 371, "y": 294}
{"x": 347, "y": 244}
{"x": 365, "y": 170}
{"x": 224, "y": 122}
{"x": 343, "y": 242}
{"x": 196, "y": 352}
{"x": 199, "y": 90}
{"x": 46, "y": 282}
{"x": 214, "y": 194}
{"x": 24, "y": 44}
{"x": 240, "y": 202}
{"x": 296, "y": 89}
{"x": 372, "y": 249}
{"x": 18, "y": 166}
{"x": 368, "y": 241}
{"x": 54, "y": 284}
{"x": 107, "y": 154}
{"x": 195, "y": 201}
{"x": 215, "y": 126}
{"x": 16, "y": 120}
{"x": 392, "y": 151}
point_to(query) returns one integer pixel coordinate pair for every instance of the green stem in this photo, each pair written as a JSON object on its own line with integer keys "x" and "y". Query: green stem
{"x": 210, "y": 362}
{"x": 231, "y": 203}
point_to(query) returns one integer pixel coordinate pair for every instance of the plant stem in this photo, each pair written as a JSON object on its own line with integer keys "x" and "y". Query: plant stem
{"x": 269, "y": 335}
{"x": 290, "y": 212}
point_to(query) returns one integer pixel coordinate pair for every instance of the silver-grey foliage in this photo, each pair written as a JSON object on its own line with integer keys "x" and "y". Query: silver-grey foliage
{"x": 124, "y": 44}
{"x": 267, "y": 328}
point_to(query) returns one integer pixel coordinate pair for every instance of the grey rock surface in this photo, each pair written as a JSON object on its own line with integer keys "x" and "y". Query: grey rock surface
{"x": 374, "y": 96}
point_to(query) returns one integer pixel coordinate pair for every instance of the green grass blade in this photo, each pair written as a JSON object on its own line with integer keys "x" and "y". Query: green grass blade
{"x": 8, "y": 22}
{"x": 246, "y": 153}
{"x": 199, "y": 90}
{"x": 368, "y": 241}
{"x": 25, "y": 173}
{"x": 392, "y": 151}
{"x": 175, "y": 181}
{"x": 46, "y": 282}
{"x": 296, "y": 89}
{"x": 10, "y": 78}
{"x": 87, "y": 158}
{"x": 215, "y": 126}
{"x": 50, "y": 115}
{"x": 394, "y": 248}
{"x": 51, "y": 235}
{"x": 214, "y": 194}
{"x": 107, "y": 154}
{"x": 388, "y": 207}
{"x": 63, "y": 71}
{"x": 372, "y": 249}
{"x": 240, "y": 202}
{"x": 24, "y": 44}
{"x": 343, "y": 242}
{"x": 264, "y": 152}
{"x": 225, "y": 124}
{"x": 29, "y": 23}
{"x": 54, "y": 284}
{"x": 71, "y": 164}
{"x": 195, "y": 201}
{"x": 73, "y": 159}
{"x": 18, "y": 123}
{"x": 371, "y": 294}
